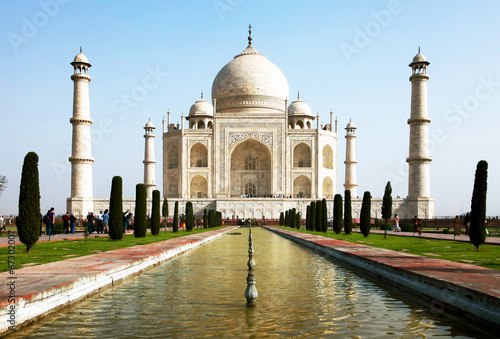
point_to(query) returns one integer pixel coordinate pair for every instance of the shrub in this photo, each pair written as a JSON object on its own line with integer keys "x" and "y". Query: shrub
{"x": 337, "y": 214}
{"x": 347, "y": 213}
{"x": 446, "y": 231}
{"x": 28, "y": 220}
{"x": 116, "y": 210}
{"x": 140, "y": 211}
{"x": 319, "y": 215}
{"x": 164, "y": 212}
{"x": 477, "y": 231}
{"x": 189, "y": 216}
{"x": 175, "y": 223}
{"x": 313, "y": 215}
{"x": 155, "y": 213}
{"x": 365, "y": 219}
{"x": 387, "y": 202}
{"x": 406, "y": 226}
{"x": 324, "y": 216}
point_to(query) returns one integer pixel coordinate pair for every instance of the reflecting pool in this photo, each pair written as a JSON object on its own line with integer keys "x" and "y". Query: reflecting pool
{"x": 302, "y": 294}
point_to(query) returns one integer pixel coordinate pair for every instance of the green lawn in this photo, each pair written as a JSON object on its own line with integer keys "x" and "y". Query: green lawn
{"x": 464, "y": 252}
{"x": 55, "y": 250}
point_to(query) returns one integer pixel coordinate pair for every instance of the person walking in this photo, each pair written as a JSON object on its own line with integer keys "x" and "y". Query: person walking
{"x": 467, "y": 223}
{"x": 456, "y": 225}
{"x": 66, "y": 219}
{"x": 105, "y": 221}
{"x": 72, "y": 222}
{"x": 51, "y": 218}
{"x": 90, "y": 222}
{"x": 396, "y": 223}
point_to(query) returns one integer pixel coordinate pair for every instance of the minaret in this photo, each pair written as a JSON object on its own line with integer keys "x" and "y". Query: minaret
{"x": 419, "y": 159}
{"x": 350, "y": 160}
{"x": 81, "y": 201}
{"x": 149, "y": 160}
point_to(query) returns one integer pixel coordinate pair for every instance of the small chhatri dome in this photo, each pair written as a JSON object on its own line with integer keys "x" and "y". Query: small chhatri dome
{"x": 201, "y": 107}
{"x": 419, "y": 58}
{"x": 81, "y": 58}
{"x": 299, "y": 107}
{"x": 149, "y": 125}
{"x": 250, "y": 81}
{"x": 350, "y": 125}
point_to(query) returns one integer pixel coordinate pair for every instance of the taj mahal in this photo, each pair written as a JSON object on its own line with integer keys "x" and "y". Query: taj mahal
{"x": 251, "y": 151}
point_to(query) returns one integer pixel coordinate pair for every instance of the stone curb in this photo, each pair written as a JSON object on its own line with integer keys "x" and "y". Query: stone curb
{"x": 457, "y": 287}
{"x": 74, "y": 284}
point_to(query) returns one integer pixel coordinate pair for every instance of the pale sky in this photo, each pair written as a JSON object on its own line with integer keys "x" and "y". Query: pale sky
{"x": 351, "y": 57}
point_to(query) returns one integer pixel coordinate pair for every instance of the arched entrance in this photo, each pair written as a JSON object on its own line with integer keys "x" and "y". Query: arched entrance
{"x": 250, "y": 170}
{"x": 198, "y": 187}
{"x": 302, "y": 187}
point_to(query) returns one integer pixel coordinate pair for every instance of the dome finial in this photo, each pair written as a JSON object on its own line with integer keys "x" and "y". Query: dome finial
{"x": 80, "y": 49}
{"x": 419, "y": 49}
{"x": 250, "y": 35}
{"x": 298, "y": 95}
{"x": 202, "y": 94}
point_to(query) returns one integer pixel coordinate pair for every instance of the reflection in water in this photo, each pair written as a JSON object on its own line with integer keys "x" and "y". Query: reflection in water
{"x": 201, "y": 293}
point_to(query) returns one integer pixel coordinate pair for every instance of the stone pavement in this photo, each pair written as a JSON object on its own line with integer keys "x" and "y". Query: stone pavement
{"x": 472, "y": 290}
{"x": 40, "y": 290}
{"x": 434, "y": 235}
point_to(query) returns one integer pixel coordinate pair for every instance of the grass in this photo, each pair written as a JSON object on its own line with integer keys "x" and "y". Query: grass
{"x": 457, "y": 251}
{"x": 46, "y": 252}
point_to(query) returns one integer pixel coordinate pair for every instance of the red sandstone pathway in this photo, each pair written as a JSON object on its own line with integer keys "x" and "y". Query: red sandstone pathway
{"x": 36, "y": 279}
{"x": 468, "y": 276}
{"x": 441, "y": 236}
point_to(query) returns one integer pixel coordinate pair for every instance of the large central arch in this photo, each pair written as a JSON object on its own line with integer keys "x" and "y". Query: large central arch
{"x": 250, "y": 170}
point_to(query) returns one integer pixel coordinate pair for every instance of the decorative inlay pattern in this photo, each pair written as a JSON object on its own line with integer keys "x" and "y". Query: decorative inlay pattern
{"x": 295, "y": 175}
{"x": 234, "y": 137}
{"x": 191, "y": 142}
{"x": 301, "y": 141}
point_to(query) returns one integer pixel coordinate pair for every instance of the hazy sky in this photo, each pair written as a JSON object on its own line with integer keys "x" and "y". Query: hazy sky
{"x": 351, "y": 57}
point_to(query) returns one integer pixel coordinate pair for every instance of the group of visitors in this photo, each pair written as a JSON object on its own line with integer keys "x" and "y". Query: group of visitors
{"x": 98, "y": 223}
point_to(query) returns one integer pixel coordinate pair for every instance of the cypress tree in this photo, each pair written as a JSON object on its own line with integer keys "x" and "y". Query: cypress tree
{"x": 175, "y": 223}
{"x": 308, "y": 217}
{"x": 116, "y": 210}
{"x": 337, "y": 214}
{"x": 189, "y": 216}
{"x": 387, "y": 203}
{"x": 292, "y": 218}
{"x": 365, "y": 218}
{"x": 28, "y": 221}
{"x": 211, "y": 218}
{"x": 297, "y": 221}
{"x": 282, "y": 219}
{"x": 219, "y": 218}
{"x": 324, "y": 218}
{"x": 313, "y": 216}
{"x": 286, "y": 218}
{"x": 140, "y": 211}
{"x": 205, "y": 218}
{"x": 164, "y": 213}
{"x": 155, "y": 213}
{"x": 347, "y": 213}
{"x": 319, "y": 215}
{"x": 477, "y": 233}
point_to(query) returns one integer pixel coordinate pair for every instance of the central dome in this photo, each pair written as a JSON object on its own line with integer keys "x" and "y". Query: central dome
{"x": 250, "y": 82}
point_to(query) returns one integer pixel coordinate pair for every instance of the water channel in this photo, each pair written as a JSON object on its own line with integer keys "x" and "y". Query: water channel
{"x": 201, "y": 294}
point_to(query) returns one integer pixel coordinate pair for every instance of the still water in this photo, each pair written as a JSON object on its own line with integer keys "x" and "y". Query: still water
{"x": 201, "y": 294}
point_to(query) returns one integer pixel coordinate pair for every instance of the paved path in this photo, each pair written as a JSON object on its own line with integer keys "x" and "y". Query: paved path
{"x": 463, "y": 238}
{"x": 78, "y": 235}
